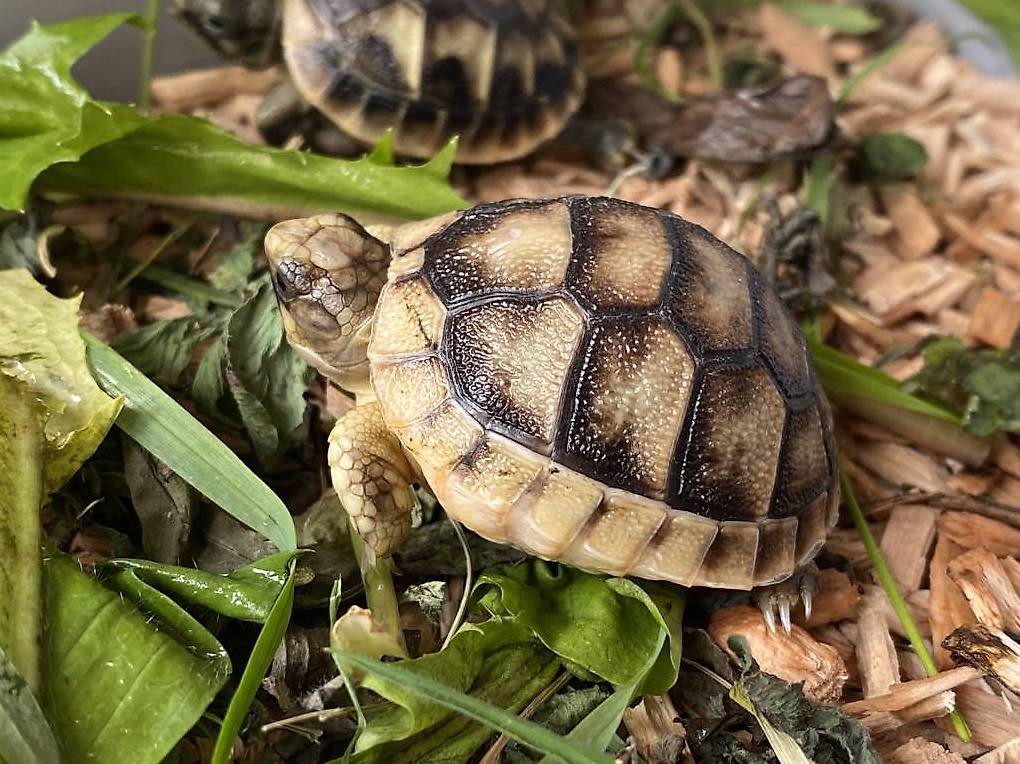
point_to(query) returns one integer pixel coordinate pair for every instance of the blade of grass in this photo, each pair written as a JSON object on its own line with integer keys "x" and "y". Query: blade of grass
{"x": 842, "y": 375}
{"x": 522, "y": 730}
{"x": 702, "y": 23}
{"x": 892, "y": 592}
{"x": 172, "y": 435}
{"x": 258, "y": 663}
{"x": 149, "y": 44}
{"x": 140, "y": 266}
{"x": 863, "y": 73}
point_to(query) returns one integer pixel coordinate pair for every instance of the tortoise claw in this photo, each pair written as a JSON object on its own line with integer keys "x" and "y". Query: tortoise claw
{"x": 784, "y": 596}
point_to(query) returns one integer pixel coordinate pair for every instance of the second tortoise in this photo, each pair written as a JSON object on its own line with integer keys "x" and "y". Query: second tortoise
{"x": 586, "y": 379}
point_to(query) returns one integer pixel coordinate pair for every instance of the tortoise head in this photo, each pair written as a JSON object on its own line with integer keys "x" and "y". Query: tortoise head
{"x": 328, "y": 272}
{"x": 246, "y": 31}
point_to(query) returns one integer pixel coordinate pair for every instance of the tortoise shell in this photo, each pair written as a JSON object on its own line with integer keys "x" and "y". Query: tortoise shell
{"x": 609, "y": 385}
{"x": 501, "y": 74}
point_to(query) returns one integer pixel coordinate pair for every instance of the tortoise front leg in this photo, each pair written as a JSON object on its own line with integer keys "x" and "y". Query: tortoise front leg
{"x": 372, "y": 477}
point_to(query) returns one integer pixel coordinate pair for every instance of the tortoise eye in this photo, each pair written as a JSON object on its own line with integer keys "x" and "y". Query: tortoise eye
{"x": 283, "y": 283}
{"x": 215, "y": 25}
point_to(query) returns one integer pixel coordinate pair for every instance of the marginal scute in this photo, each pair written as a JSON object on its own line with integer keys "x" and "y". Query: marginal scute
{"x": 409, "y": 390}
{"x": 440, "y": 439}
{"x": 408, "y": 320}
{"x": 523, "y": 249}
{"x": 811, "y": 528}
{"x": 777, "y": 547}
{"x": 471, "y": 42}
{"x": 730, "y": 462}
{"x": 622, "y": 252}
{"x": 676, "y": 552}
{"x": 511, "y": 358}
{"x": 730, "y": 562}
{"x": 617, "y": 533}
{"x": 557, "y": 506}
{"x": 632, "y": 393}
{"x": 490, "y": 480}
{"x": 708, "y": 293}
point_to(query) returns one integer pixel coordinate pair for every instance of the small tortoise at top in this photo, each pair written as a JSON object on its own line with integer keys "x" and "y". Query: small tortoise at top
{"x": 503, "y": 75}
{"x": 586, "y": 379}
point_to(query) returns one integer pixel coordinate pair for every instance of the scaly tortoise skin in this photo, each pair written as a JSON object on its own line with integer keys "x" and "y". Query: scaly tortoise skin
{"x": 503, "y": 75}
{"x": 586, "y": 379}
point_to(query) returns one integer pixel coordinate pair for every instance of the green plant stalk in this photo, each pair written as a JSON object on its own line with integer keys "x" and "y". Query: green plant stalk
{"x": 704, "y": 27}
{"x": 141, "y": 266}
{"x": 20, "y": 530}
{"x": 380, "y": 594}
{"x": 189, "y": 287}
{"x": 892, "y": 591}
{"x": 145, "y": 71}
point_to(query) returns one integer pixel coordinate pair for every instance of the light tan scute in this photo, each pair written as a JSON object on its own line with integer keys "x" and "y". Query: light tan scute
{"x": 553, "y": 511}
{"x": 617, "y": 533}
{"x": 632, "y": 397}
{"x": 708, "y": 293}
{"x": 731, "y": 559}
{"x": 624, "y": 255}
{"x": 777, "y": 547}
{"x": 731, "y": 458}
{"x": 523, "y": 250}
{"x": 410, "y": 390}
{"x": 411, "y": 235}
{"x": 440, "y": 439}
{"x": 372, "y": 477}
{"x": 676, "y": 552}
{"x": 471, "y": 41}
{"x": 485, "y": 486}
{"x": 408, "y": 320}
{"x": 511, "y": 359}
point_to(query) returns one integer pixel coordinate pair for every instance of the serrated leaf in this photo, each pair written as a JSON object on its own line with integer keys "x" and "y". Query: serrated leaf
{"x": 234, "y": 268}
{"x": 266, "y": 377}
{"x": 172, "y": 435}
{"x": 163, "y": 349}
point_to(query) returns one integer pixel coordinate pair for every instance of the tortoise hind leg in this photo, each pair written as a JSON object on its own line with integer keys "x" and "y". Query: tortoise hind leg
{"x": 372, "y": 477}
{"x": 783, "y": 596}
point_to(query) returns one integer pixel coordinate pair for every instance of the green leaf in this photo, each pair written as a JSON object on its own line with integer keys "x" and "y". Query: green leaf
{"x": 843, "y": 376}
{"x": 533, "y": 735}
{"x": 247, "y": 594}
{"x": 889, "y": 156}
{"x": 817, "y": 188}
{"x": 162, "y": 350}
{"x": 606, "y": 627}
{"x": 233, "y": 269}
{"x": 268, "y": 379}
{"x": 188, "y": 162}
{"x": 1003, "y": 18}
{"x": 45, "y": 116}
{"x": 40, "y": 347}
{"x": 258, "y": 663}
{"x": 785, "y": 747}
{"x": 173, "y": 436}
{"x": 981, "y": 383}
{"x": 121, "y": 688}
{"x": 25, "y": 735}
{"x": 844, "y": 19}
{"x": 52, "y": 418}
{"x": 49, "y": 126}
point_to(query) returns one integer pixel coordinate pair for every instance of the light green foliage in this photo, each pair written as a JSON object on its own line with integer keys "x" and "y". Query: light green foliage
{"x": 843, "y": 18}
{"x": 49, "y": 126}
{"x": 122, "y": 686}
{"x": 1003, "y": 16}
{"x": 981, "y": 383}
{"x": 52, "y": 417}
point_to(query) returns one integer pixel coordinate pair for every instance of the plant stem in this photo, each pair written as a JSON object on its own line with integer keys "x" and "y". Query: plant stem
{"x": 169, "y": 239}
{"x": 148, "y": 44}
{"x": 377, "y": 576}
{"x": 189, "y": 287}
{"x": 892, "y": 592}
{"x": 704, "y": 27}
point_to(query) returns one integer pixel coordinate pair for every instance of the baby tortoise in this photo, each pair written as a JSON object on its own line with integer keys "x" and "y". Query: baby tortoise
{"x": 501, "y": 74}
{"x": 586, "y": 379}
